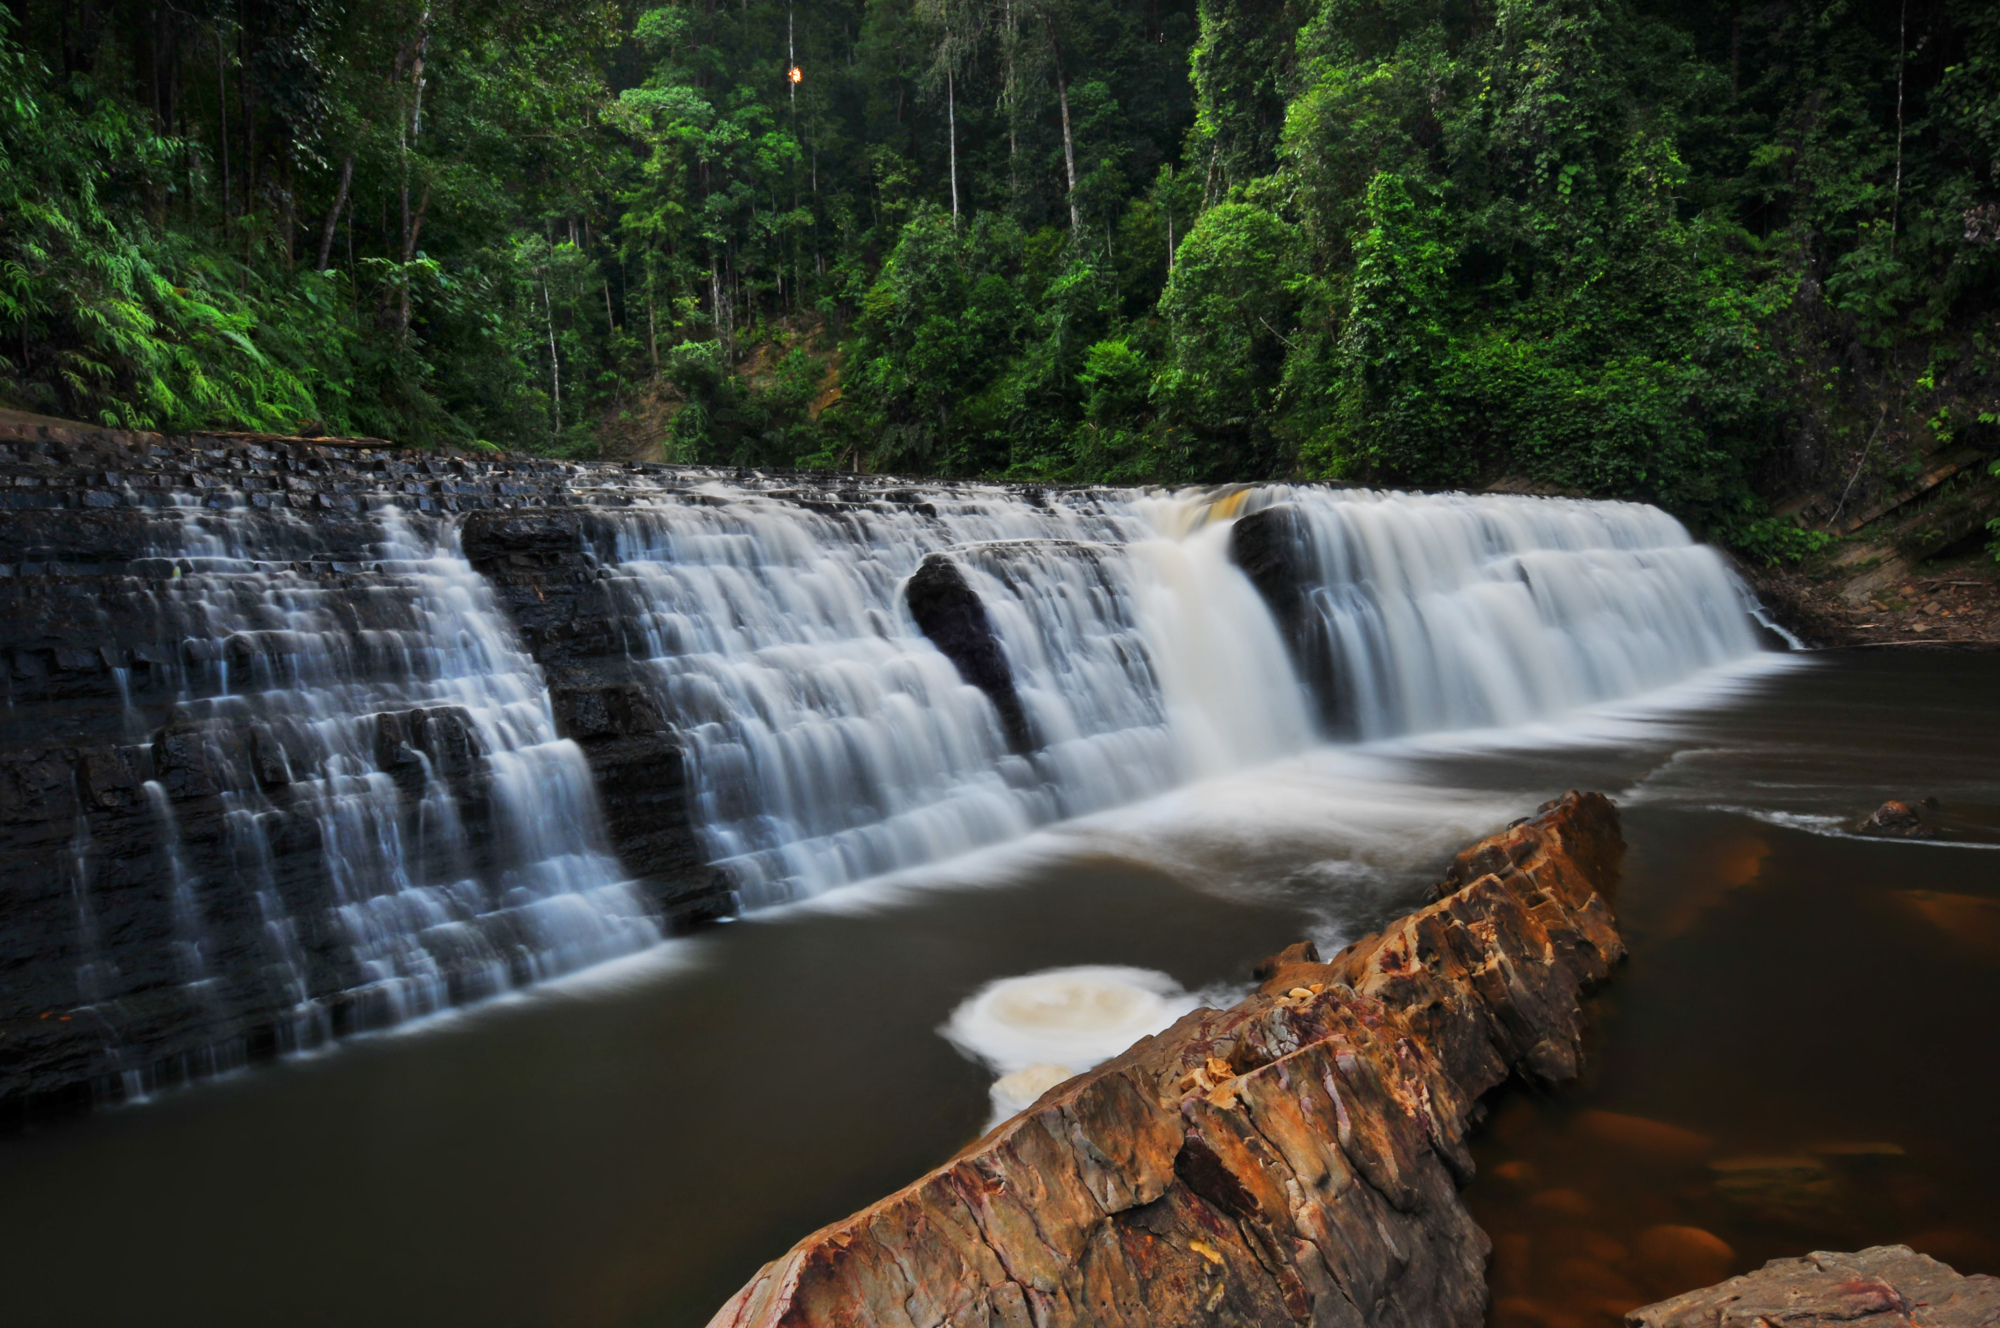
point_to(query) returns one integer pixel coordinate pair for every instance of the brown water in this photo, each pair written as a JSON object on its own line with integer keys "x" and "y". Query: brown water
{"x": 628, "y": 1149}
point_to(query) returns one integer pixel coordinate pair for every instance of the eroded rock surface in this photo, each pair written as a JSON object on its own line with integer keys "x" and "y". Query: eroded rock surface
{"x": 1888, "y": 1286}
{"x": 1292, "y": 1160}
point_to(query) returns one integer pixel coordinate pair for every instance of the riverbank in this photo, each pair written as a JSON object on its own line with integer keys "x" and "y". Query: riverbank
{"x": 1877, "y": 599}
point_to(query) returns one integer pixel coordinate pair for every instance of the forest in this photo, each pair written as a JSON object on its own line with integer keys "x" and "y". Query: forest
{"x": 1704, "y": 253}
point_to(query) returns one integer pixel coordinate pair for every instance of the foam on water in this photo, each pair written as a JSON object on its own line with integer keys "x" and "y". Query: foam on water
{"x": 1037, "y": 1030}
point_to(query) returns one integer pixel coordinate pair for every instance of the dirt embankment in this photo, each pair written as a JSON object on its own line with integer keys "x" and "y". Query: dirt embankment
{"x": 1911, "y": 566}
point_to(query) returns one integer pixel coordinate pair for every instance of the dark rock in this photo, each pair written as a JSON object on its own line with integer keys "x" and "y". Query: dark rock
{"x": 948, "y": 611}
{"x": 1292, "y": 1160}
{"x": 1272, "y": 547}
{"x": 445, "y": 734}
{"x": 487, "y": 537}
{"x": 1898, "y": 820}
{"x": 1888, "y": 1286}
{"x": 267, "y": 758}
{"x": 180, "y": 763}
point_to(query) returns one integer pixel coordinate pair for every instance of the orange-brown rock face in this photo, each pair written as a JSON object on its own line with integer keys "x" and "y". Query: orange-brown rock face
{"x": 1292, "y": 1160}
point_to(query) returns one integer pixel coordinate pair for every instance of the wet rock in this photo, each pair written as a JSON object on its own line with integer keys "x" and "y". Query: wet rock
{"x": 180, "y": 763}
{"x": 1567, "y": 1202}
{"x": 1777, "y": 1189}
{"x": 1284, "y": 1161}
{"x": 1269, "y": 545}
{"x": 1898, "y": 820}
{"x": 1888, "y": 1286}
{"x": 524, "y": 538}
{"x": 949, "y": 612}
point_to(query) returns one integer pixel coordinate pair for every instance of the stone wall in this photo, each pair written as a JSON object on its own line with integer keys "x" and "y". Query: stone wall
{"x": 97, "y": 654}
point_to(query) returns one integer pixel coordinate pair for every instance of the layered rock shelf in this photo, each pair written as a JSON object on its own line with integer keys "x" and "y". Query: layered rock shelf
{"x": 1888, "y": 1286}
{"x": 1295, "y": 1159}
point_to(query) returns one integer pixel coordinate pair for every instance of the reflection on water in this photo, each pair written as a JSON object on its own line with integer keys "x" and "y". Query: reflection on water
{"x": 628, "y": 1148}
{"x": 1795, "y": 1059}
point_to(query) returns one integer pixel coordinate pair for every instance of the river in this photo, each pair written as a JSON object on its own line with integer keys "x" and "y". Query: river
{"x": 626, "y": 1145}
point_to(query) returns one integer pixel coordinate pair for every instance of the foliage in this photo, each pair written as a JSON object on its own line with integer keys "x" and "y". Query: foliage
{"x": 1687, "y": 251}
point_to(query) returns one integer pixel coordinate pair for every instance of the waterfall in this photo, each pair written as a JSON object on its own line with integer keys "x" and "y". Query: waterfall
{"x": 830, "y": 740}
{"x": 1449, "y": 611}
{"x": 317, "y": 783}
{"x": 368, "y": 708}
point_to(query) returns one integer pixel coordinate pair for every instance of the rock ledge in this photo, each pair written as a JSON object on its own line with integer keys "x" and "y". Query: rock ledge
{"x": 1888, "y": 1286}
{"x": 1292, "y": 1160}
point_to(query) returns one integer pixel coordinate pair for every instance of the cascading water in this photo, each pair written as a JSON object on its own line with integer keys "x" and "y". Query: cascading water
{"x": 362, "y": 712}
{"x": 318, "y": 784}
{"x": 1451, "y": 611}
{"x": 830, "y": 741}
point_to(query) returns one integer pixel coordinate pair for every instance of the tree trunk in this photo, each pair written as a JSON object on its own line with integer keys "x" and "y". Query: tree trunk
{"x": 1007, "y": 43}
{"x": 717, "y": 302}
{"x": 1069, "y": 142}
{"x": 951, "y": 119}
{"x": 222, "y": 111}
{"x": 333, "y": 215}
{"x": 1902, "y": 43}
{"x": 652, "y": 328}
{"x": 555, "y": 359}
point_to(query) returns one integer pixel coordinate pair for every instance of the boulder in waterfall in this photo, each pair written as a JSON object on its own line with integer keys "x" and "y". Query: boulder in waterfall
{"x": 949, "y": 612}
{"x": 1896, "y": 819}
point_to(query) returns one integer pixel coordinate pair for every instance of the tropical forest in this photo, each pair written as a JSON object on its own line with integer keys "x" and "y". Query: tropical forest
{"x": 1698, "y": 253}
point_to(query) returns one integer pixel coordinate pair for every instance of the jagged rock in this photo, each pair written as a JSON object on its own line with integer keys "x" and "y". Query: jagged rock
{"x": 948, "y": 611}
{"x": 1888, "y": 1286}
{"x": 1291, "y": 1160}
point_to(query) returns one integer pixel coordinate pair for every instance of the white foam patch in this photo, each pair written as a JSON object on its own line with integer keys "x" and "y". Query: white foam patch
{"x": 1037, "y": 1030}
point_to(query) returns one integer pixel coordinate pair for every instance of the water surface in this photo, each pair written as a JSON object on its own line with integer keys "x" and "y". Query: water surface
{"x": 626, "y": 1147}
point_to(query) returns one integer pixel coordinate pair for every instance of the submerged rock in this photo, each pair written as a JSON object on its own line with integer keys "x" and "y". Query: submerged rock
{"x": 1888, "y": 1286}
{"x": 1292, "y": 1160}
{"x": 1674, "y": 1255}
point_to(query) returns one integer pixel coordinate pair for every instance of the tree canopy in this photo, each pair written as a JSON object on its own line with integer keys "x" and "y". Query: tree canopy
{"x": 1698, "y": 252}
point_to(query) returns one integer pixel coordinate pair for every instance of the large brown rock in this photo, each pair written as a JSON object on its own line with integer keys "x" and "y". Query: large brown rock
{"x": 1292, "y": 1160}
{"x": 1888, "y": 1286}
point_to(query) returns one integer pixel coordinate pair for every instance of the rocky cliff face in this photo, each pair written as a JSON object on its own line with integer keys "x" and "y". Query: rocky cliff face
{"x": 1292, "y": 1160}
{"x": 170, "y": 900}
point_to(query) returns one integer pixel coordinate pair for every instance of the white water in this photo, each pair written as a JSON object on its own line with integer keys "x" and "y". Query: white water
{"x": 831, "y": 742}
{"x": 828, "y": 740}
{"x": 1454, "y": 611}
{"x": 1039, "y": 1029}
{"x": 287, "y": 672}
